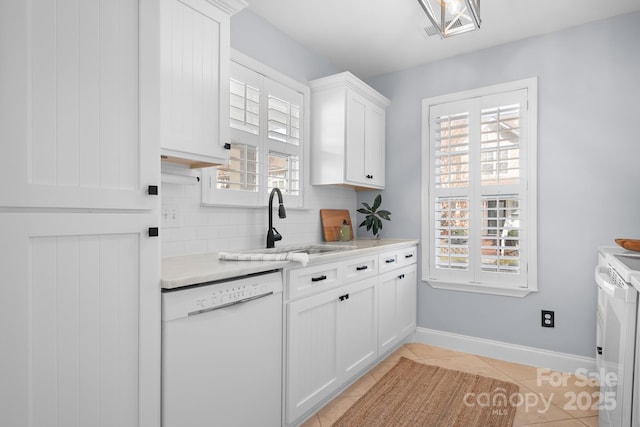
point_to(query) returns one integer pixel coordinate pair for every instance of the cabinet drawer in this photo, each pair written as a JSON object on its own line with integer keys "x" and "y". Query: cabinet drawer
{"x": 397, "y": 258}
{"x": 407, "y": 256}
{"x": 388, "y": 261}
{"x": 360, "y": 268}
{"x": 308, "y": 281}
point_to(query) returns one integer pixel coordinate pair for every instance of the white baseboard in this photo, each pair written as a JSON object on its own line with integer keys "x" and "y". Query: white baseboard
{"x": 539, "y": 358}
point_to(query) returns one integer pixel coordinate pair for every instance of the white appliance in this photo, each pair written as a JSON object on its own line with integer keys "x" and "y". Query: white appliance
{"x": 222, "y": 353}
{"x": 616, "y": 335}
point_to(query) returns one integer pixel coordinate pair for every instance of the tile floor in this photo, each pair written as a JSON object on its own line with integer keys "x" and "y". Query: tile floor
{"x": 567, "y": 398}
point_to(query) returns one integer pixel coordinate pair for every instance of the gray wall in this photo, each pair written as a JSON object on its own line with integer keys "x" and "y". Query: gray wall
{"x": 588, "y": 174}
{"x": 257, "y": 38}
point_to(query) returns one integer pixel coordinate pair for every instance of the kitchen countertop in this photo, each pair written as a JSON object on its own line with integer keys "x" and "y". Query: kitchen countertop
{"x": 188, "y": 270}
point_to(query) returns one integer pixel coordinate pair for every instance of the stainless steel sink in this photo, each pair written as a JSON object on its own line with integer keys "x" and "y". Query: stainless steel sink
{"x": 310, "y": 249}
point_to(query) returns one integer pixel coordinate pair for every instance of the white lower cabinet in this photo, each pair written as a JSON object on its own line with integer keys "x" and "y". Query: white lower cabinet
{"x": 330, "y": 337}
{"x": 341, "y": 318}
{"x": 397, "y": 306}
{"x": 80, "y": 308}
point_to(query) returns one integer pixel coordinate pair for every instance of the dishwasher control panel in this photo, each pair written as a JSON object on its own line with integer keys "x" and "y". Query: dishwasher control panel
{"x": 216, "y": 295}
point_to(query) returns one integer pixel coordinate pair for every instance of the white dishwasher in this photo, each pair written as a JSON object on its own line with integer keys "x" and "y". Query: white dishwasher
{"x": 222, "y": 353}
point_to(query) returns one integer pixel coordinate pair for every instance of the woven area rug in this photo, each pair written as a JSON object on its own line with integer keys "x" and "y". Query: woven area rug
{"x": 415, "y": 394}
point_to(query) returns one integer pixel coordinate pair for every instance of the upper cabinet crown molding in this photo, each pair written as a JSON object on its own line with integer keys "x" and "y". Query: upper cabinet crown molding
{"x": 347, "y": 79}
{"x": 229, "y": 6}
{"x": 348, "y": 133}
{"x": 195, "y": 55}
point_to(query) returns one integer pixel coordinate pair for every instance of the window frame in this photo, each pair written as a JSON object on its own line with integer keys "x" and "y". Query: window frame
{"x": 476, "y": 280}
{"x": 211, "y": 196}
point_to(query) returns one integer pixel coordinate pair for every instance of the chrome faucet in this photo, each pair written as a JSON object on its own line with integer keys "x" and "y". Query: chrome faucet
{"x": 272, "y": 234}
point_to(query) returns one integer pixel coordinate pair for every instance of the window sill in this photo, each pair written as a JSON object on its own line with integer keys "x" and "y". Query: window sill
{"x": 480, "y": 288}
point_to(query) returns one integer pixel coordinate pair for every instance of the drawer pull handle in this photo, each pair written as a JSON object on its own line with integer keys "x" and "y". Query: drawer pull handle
{"x": 318, "y": 279}
{"x": 363, "y": 267}
{"x": 391, "y": 260}
{"x": 343, "y": 297}
{"x": 599, "y": 349}
{"x": 409, "y": 256}
{"x": 401, "y": 276}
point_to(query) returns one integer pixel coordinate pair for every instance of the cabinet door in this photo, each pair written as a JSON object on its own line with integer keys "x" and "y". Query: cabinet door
{"x": 356, "y": 139}
{"x": 397, "y": 306}
{"x": 80, "y": 310}
{"x": 195, "y": 80}
{"x": 374, "y": 150}
{"x": 312, "y": 348}
{"x": 69, "y": 112}
{"x": 388, "y": 303}
{"x": 406, "y": 301}
{"x": 357, "y": 327}
{"x": 364, "y": 162}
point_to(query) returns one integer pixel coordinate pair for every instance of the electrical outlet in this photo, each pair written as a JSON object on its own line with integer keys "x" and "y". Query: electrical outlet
{"x": 548, "y": 319}
{"x": 171, "y": 216}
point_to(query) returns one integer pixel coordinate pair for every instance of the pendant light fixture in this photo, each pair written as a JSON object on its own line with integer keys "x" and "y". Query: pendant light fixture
{"x": 451, "y": 17}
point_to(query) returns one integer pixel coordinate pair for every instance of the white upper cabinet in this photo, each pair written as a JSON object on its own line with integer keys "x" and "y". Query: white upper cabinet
{"x": 195, "y": 52}
{"x": 71, "y": 132}
{"x": 348, "y": 133}
{"x": 79, "y": 132}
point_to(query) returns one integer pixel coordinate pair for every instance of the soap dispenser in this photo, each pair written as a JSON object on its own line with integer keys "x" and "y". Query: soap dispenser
{"x": 345, "y": 231}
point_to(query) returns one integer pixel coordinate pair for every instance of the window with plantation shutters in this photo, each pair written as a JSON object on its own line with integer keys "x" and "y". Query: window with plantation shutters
{"x": 479, "y": 197}
{"x": 267, "y": 140}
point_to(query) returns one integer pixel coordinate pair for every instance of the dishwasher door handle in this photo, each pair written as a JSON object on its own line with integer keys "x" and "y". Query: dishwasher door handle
{"x": 229, "y": 304}
{"x": 609, "y": 288}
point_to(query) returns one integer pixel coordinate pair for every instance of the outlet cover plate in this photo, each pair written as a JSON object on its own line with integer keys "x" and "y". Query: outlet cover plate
{"x": 171, "y": 216}
{"x": 548, "y": 319}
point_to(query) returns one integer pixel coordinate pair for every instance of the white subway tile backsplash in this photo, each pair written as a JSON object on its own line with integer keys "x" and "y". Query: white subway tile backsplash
{"x": 216, "y": 229}
{"x": 195, "y": 218}
{"x": 172, "y": 249}
{"x": 195, "y": 247}
{"x": 184, "y": 233}
{"x": 228, "y": 231}
{"x": 207, "y": 232}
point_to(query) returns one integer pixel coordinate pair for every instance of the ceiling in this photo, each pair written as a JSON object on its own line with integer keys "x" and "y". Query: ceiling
{"x": 372, "y": 37}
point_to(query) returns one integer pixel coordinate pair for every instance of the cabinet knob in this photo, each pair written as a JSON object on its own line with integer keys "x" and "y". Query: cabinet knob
{"x": 599, "y": 350}
{"x": 152, "y": 190}
{"x": 369, "y": 176}
{"x": 154, "y": 232}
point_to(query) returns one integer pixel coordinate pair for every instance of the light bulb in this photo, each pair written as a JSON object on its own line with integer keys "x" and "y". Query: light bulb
{"x": 453, "y": 6}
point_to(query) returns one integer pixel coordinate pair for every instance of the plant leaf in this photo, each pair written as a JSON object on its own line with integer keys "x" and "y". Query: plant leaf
{"x": 363, "y": 223}
{"x": 363, "y": 211}
{"x": 377, "y": 202}
{"x": 366, "y": 205}
{"x": 379, "y": 223}
{"x": 384, "y": 215}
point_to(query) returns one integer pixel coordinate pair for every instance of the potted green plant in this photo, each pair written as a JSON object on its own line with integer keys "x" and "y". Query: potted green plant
{"x": 374, "y": 216}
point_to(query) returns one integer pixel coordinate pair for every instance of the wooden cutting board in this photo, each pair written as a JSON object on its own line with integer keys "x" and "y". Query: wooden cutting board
{"x": 331, "y": 222}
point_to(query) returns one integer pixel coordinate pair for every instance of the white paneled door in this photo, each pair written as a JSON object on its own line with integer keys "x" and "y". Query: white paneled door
{"x": 78, "y": 313}
{"x": 69, "y": 112}
{"x": 79, "y": 271}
